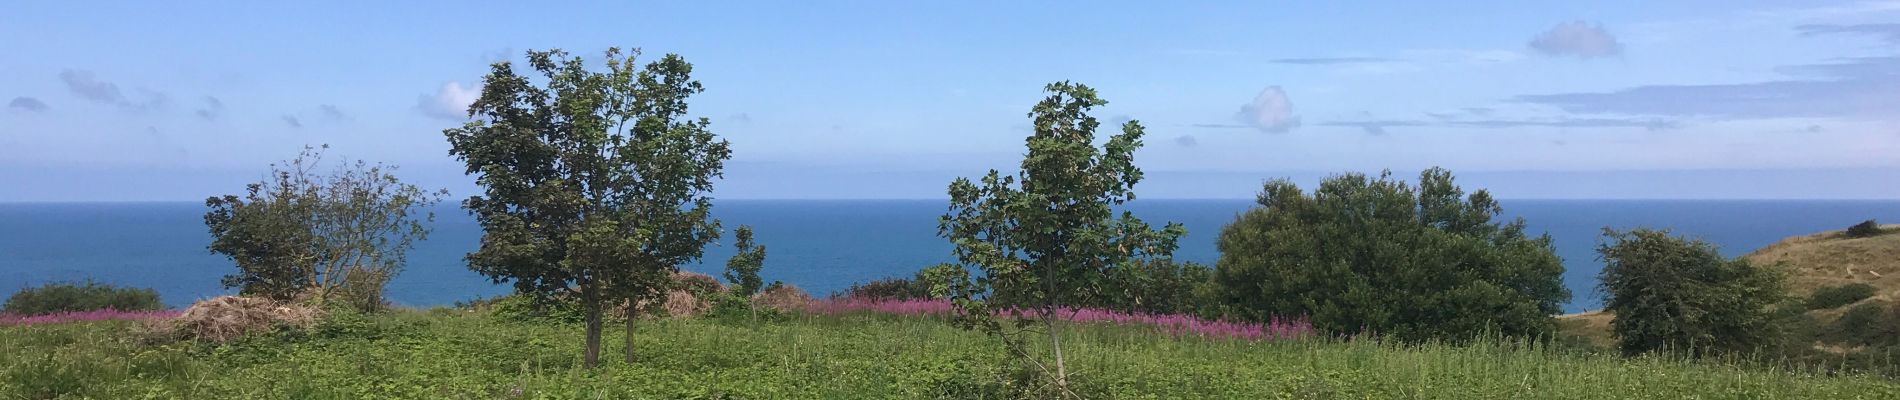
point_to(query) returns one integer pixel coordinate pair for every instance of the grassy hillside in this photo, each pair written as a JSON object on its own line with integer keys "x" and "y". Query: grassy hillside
{"x": 459, "y": 355}
{"x": 1832, "y": 259}
{"x": 1817, "y": 261}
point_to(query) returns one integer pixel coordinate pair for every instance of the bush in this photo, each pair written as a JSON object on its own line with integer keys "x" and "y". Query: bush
{"x": 1836, "y": 296}
{"x": 1375, "y": 254}
{"x": 59, "y": 297}
{"x": 525, "y": 308}
{"x": 1861, "y": 325}
{"x": 1155, "y": 286}
{"x": 886, "y": 289}
{"x": 1676, "y": 294}
{"x": 1867, "y": 228}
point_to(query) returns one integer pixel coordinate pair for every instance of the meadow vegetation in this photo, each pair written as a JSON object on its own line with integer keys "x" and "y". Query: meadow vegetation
{"x": 596, "y": 188}
{"x": 463, "y": 354}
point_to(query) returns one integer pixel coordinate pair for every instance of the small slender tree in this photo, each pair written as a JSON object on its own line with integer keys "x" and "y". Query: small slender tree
{"x": 1046, "y": 238}
{"x": 595, "y": 183}
{"x": 1676, "y": 294}
{"x": 742, "y": 270}
{"x": 303, "y": 233}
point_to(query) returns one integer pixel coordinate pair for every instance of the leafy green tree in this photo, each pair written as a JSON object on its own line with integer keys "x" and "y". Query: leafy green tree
{"x": 1047, "y": 236}
{"x": 301, "y": 233}
{"x": 1365, "y": 254}
{"x": 1676, "y": 294}
{"x": 593, "y": 180}
{"x": 742, "y": 270}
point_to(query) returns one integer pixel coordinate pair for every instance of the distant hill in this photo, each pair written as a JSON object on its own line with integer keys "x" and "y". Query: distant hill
{"x": 1813, "y": 261}
{"x": 1833, "y": 259}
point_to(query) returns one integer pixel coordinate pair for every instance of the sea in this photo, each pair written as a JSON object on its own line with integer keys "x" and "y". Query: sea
{"x": 821, "y": 246}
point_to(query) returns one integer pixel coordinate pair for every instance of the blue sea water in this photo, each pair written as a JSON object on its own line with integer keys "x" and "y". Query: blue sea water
{"x": 819, "y": 245}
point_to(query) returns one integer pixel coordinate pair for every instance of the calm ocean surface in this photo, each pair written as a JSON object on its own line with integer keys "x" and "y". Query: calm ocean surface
{"x": 819, "y": 245}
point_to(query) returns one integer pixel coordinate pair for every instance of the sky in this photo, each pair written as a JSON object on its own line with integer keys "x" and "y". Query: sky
{"x": 177, "y": 101}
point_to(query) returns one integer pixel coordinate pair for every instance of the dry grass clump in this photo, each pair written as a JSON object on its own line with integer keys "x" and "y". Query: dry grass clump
{"x": 221, "y": 319}
{"x": 784, "y": 298}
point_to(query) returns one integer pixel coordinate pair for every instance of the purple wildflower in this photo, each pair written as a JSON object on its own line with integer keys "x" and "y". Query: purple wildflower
{"x": 1172, "y": 324}
{"x": 85, "y": 316}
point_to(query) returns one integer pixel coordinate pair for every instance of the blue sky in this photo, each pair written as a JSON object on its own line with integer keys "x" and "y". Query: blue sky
{"x": 1680, "y": 99}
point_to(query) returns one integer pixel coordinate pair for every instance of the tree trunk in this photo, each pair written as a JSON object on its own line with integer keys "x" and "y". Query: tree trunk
{"x": 1055, "y": 342}
{"x": 591, "y": 358}
{"x": 631, "y": 315}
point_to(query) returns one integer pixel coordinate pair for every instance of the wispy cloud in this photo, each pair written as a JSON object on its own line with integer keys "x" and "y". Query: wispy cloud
{"x": 1378, "y": 126}
{"x": 1890, "y": 32}
{"x": 292, "y": 121}
{"x": 1186, "y": 141}
{"x": 84, "y": 84}
{"x": 27, "y": 104}
{"x": 213, "y": 108}
{"x": 1332, "y": 60}
{"x": 332, "y": 113}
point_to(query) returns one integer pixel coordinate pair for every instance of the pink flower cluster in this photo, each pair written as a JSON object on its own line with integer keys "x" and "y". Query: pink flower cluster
{"x": 85, "y": 316}
{"x": 1173, "y": 324}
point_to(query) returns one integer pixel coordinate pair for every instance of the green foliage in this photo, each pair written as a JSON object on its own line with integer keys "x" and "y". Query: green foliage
{"x": 592, "y": 180}
{"x": 742, "y": 270}
{"x": 1157, "y": 286}
{"x": 1680, "y": 295}
{"x": 532, "y": 309}
{"x": 1867, "y": 228}
{"x": 887, "y": 289}
{"x": 1862, "y": 325}
{"x": 405, "y": 354}
{"x": 59, "y": 297}
{"x": 339, "y": 236}
{"x": 1373, "y": 254}
{"x": 1047, "y": 236}
{"x": 1836, "y": 296}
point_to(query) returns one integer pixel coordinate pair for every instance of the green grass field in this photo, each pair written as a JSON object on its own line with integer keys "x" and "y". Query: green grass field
{"x": 459, "y": 355}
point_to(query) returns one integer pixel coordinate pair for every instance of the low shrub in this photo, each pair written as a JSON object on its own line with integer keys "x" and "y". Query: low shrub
{"x": 1836, "y": 296}
{"x": 66, "y": 297}
{"x": 525, "y": 308}
{"x": 886, "y": 289}
{"x": 1867, "y": 228}
{"x": 1861, "y": 325}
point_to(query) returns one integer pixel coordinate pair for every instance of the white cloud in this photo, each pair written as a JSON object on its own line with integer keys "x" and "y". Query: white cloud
{"x": 450, "y": 102}
{"x": 1577, "y": 38}
{"x": 1270, "y": 112}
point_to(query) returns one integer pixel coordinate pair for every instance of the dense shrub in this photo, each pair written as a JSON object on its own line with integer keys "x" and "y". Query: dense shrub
{"x": 781, "y": 298}
{"x": 1375, "y": 254}
{"x": 1676, "y": 294}
{"x": 886, "y": 289}
{"x": 525, "y": 308}
{"x": 1861, "y": 325}
{"x": 59, "y": 297}
{"x": 1867, "y": 228}
{"x": 1836, "y": 296}
{"x": 1155, "y": 286}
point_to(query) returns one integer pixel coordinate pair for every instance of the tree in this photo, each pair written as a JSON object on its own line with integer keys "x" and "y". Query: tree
{"x": 594, "y": 181}
{"x": 742, "y": 270}
{"x": 1865, "y": 229}
{"x": 1047, "y": 236}
{"x": 1375, "y": 255}
{"x": 300, "y": 233}
{"x": 1676, "y": 294}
